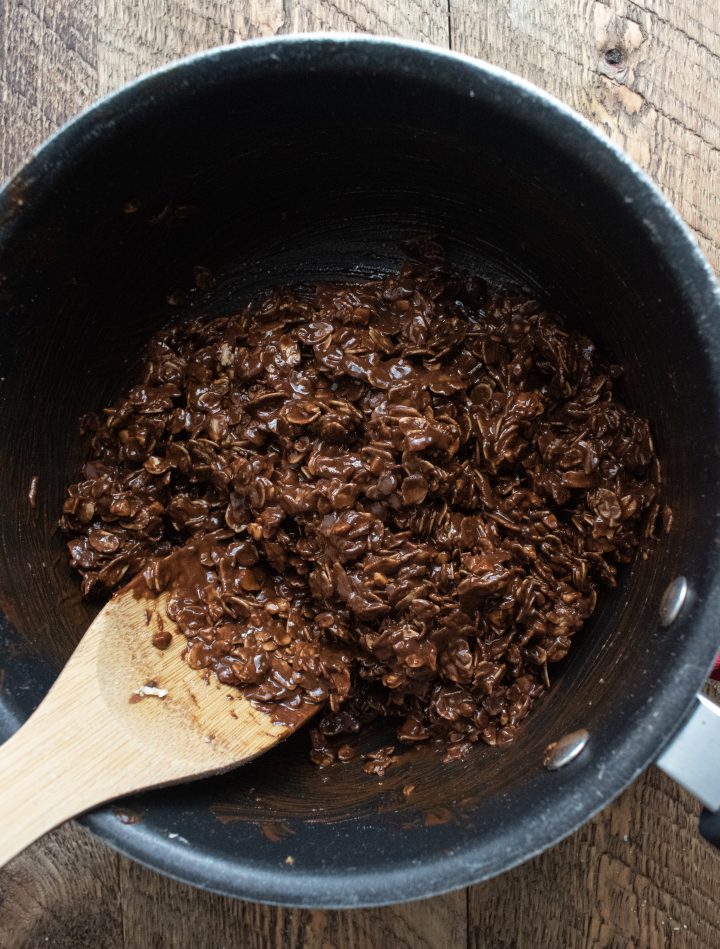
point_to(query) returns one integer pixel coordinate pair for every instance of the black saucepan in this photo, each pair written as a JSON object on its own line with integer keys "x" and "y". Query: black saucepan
{"x": 313, "y": 157}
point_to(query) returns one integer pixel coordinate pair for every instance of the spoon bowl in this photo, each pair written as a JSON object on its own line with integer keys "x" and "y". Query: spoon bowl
{"x": 124, "y": 716}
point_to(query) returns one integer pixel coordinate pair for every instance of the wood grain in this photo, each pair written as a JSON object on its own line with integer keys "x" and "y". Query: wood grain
{"x": 48, "y": 71}
{"x": 660, "y": 101}
{"x": 160, "y": 914}
{"x": 63, "y": 893}
{"x": 637, "y": 875}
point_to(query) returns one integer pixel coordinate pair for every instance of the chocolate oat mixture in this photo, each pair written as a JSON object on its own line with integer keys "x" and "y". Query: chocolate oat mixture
{"x": 404, "y": 496}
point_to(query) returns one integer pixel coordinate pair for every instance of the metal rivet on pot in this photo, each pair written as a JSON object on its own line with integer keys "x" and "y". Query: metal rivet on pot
{"x": 672, "y": 600}
{"x": 565, "y": 749}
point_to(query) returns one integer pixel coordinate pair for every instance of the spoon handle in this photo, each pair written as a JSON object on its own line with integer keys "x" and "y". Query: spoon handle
{"x": 50, "y": 770}
{"x": 68, "y": 757}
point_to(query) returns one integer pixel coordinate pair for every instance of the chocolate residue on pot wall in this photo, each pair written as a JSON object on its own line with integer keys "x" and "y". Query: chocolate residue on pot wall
{"x": 438, "y": 815}
{"x": 32, "y": 491}
{"x": 401, "y": 498}
{"x": 275, "y": 831}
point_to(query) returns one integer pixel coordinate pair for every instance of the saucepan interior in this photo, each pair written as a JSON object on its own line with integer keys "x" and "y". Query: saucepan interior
{"x": 308, "y": 159}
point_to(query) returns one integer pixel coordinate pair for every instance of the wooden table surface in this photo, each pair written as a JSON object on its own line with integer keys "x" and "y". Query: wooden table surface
{"x": 637, "y": 875}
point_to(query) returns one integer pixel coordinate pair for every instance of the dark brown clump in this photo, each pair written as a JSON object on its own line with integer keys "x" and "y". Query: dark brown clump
{"x": 405, "y": 495}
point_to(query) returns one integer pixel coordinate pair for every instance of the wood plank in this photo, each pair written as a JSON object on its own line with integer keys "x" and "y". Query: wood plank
{"x": 62, "y": 893}
{"x": 133, "y": 38}
{"x": 48, "y": 71}
{"x": 425, "y": 20}
{"x": 660, "y": 101}
{"x": 162, "y": 914}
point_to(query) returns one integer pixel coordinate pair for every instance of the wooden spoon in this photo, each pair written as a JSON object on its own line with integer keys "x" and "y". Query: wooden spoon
{"x": 124, "y": 716}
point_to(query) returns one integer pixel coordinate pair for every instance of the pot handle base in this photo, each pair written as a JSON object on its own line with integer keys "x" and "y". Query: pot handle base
{"x": 710, "y": 827}
{"x": 692, "y": 756}
{"x": 691, "y": 760}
